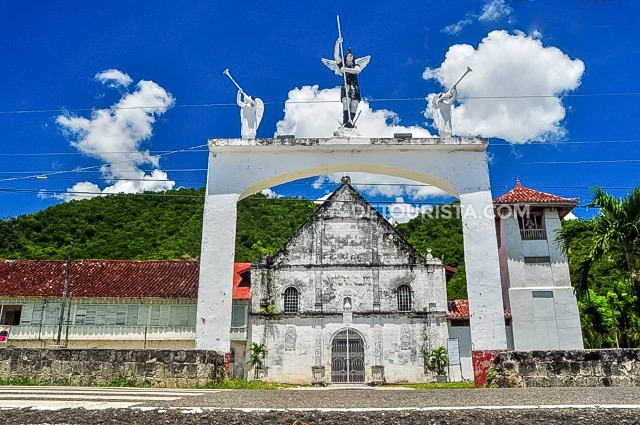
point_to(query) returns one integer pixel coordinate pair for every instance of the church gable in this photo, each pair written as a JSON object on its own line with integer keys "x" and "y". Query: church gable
{"x": 347, "y": 231}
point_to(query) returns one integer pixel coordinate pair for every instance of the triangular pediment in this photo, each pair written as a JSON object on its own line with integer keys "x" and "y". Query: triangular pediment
{"x": 347, "y": 231}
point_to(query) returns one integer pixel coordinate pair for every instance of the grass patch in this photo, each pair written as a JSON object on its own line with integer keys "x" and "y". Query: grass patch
{"x": 121, "y": 381}
{"x": 23, "y": 381}
{"x": 436, "y": 385}
{"x": 241, "y": 384}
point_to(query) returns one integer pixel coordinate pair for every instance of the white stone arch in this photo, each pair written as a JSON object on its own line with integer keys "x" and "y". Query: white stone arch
{"x": 238, "y": 168}
{"x": 349, "y": 167}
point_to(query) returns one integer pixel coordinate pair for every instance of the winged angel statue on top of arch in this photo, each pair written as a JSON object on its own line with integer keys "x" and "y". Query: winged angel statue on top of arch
{"x": 347, "y": 66}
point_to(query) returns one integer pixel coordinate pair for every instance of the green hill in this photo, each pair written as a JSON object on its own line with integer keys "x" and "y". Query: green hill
{"x": 168, "y": 225}
{"x": 165, "y": 225}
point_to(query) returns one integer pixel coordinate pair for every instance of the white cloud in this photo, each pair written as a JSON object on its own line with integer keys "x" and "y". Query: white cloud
{"x": 384, "y": 186}
{"x": 500, "y": 97}
{"x": 313, "y": 112}
{"x": 114, "y": 78}
{"x": 401, "y": 212}
{"x": 570, "y": 216}
{"x": 270, "y": 193}
{"x": 456, "y": 28}
{"x": 321, "y": 199}
{"x": 494, "y": 10}
{"x": 115, "y": 135}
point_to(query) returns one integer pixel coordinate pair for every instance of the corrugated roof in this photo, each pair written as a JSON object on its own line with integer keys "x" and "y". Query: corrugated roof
{"x": 100, "y": 278}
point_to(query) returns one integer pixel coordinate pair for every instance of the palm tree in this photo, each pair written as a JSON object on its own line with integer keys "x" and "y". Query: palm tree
{"x": 256, "y": 358}
{"x": 614, "y": 235}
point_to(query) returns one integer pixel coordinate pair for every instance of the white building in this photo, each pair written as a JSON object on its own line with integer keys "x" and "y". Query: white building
{"x": 353, "y": 301}
{"x": 534, "y": 271}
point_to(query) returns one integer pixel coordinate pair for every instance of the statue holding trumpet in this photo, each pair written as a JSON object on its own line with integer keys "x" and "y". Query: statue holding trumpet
{"x": 441, "y": 107}
{"x": 251, "y": 111}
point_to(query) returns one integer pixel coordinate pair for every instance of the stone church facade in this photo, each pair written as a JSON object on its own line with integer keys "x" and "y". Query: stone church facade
{"x": 348, "y": 300}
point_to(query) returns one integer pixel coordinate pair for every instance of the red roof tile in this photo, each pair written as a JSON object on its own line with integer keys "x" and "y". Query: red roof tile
{"x": 107, "y": 278}
{"x": 521, "y": 195}
{"x": 459, "y": 309}
{"x": 241, "y": 281}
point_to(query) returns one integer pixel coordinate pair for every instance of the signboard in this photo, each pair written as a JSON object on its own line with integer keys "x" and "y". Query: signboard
{"x": 453, "y": 350}
{"x": 4, "y": 334}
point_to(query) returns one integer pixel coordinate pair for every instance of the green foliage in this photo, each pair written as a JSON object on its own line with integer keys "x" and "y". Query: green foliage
{"x": 241, "y": 384}
{"x": 604, "y": 253}
{"x": 265, "y": 225}
{"x": 438, "y": 360}
{"x": 122, "y": 381}
{"x": 257, "y": 354}
{"x": 440, "y": 231}
{"x": 435, "y": 385}
{"x": 22, "y": 380}
{"x": 270, "y": 310}
{"x": 491, "y": 376}
{"x": 161, "y": 226}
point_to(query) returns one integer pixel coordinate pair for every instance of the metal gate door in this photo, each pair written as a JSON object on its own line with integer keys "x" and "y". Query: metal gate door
{"x": 347, "y": 357}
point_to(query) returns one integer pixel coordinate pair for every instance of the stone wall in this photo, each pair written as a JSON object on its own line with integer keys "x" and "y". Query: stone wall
{"x": 156, "y": 368}
{"x": 573, "y": 368}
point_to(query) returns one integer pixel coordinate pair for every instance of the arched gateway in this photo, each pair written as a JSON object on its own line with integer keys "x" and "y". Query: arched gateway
{"x": 238, "y": 168}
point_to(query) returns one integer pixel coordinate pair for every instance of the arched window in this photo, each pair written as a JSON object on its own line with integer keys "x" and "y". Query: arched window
{"x": 291, "y": 300}
{"x": 404, "y": 298}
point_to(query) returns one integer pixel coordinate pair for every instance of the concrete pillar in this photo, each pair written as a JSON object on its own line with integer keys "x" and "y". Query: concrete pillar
{"x": 215, "y": 290}
{"x": 488, "y": 333}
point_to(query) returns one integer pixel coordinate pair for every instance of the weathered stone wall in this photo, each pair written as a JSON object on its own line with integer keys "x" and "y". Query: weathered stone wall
{"x": 156, "y": 368}
{"x": 574, "y": 368}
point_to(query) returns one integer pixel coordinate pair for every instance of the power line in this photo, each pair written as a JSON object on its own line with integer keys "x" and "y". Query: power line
{"x": 280, "y": 102}
{"x": 36, "y": 176}
{"x": 87, "y": 195}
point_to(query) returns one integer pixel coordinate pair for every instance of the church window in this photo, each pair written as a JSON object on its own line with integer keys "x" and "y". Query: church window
{"x": 404, "y": 298}
{"x": 291, "y": 300}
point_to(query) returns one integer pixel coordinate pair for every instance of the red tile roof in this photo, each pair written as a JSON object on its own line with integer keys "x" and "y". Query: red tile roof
{"x": 459, "y": 309}
{"x": 523, "y": 195}
{"x": 109, "y": 279}
{"x": 241, "y": 281}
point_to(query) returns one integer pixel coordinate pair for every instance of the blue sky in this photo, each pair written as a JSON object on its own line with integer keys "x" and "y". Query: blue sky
{"x": 554, "y": 87}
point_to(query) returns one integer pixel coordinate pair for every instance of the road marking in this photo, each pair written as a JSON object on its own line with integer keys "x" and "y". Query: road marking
{"x": 90, "y": 398}
{"x": 418, "y": 409}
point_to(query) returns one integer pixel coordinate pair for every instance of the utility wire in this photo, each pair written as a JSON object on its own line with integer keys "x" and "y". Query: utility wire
{"x": 280, "y": 102}
{"x": 88, "y": 195}
{"x": 53, "y": 173}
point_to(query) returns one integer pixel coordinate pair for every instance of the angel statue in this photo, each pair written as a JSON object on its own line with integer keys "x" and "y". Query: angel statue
{"x": 349, "y": 68}
{"x": 251, "y": 111}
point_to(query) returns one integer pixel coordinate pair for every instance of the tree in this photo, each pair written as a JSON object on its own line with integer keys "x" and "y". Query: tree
{"x": 439, "y": 360}
{"x": 613, "y": 235}
{"x": 257, "y": 354}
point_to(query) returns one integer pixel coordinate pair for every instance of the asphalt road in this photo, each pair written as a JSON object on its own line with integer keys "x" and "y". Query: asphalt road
{"x": 548, "y": 406}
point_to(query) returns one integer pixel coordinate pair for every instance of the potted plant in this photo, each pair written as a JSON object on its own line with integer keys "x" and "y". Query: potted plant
{"x": 257, "y": 353}
{"x": 438, "y": 362}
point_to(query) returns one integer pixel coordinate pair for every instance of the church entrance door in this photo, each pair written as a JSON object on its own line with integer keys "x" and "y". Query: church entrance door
{"x": 347, "y": 357}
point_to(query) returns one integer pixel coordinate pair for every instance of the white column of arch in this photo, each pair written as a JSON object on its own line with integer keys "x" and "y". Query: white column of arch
{"x": 484, "y": 287}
